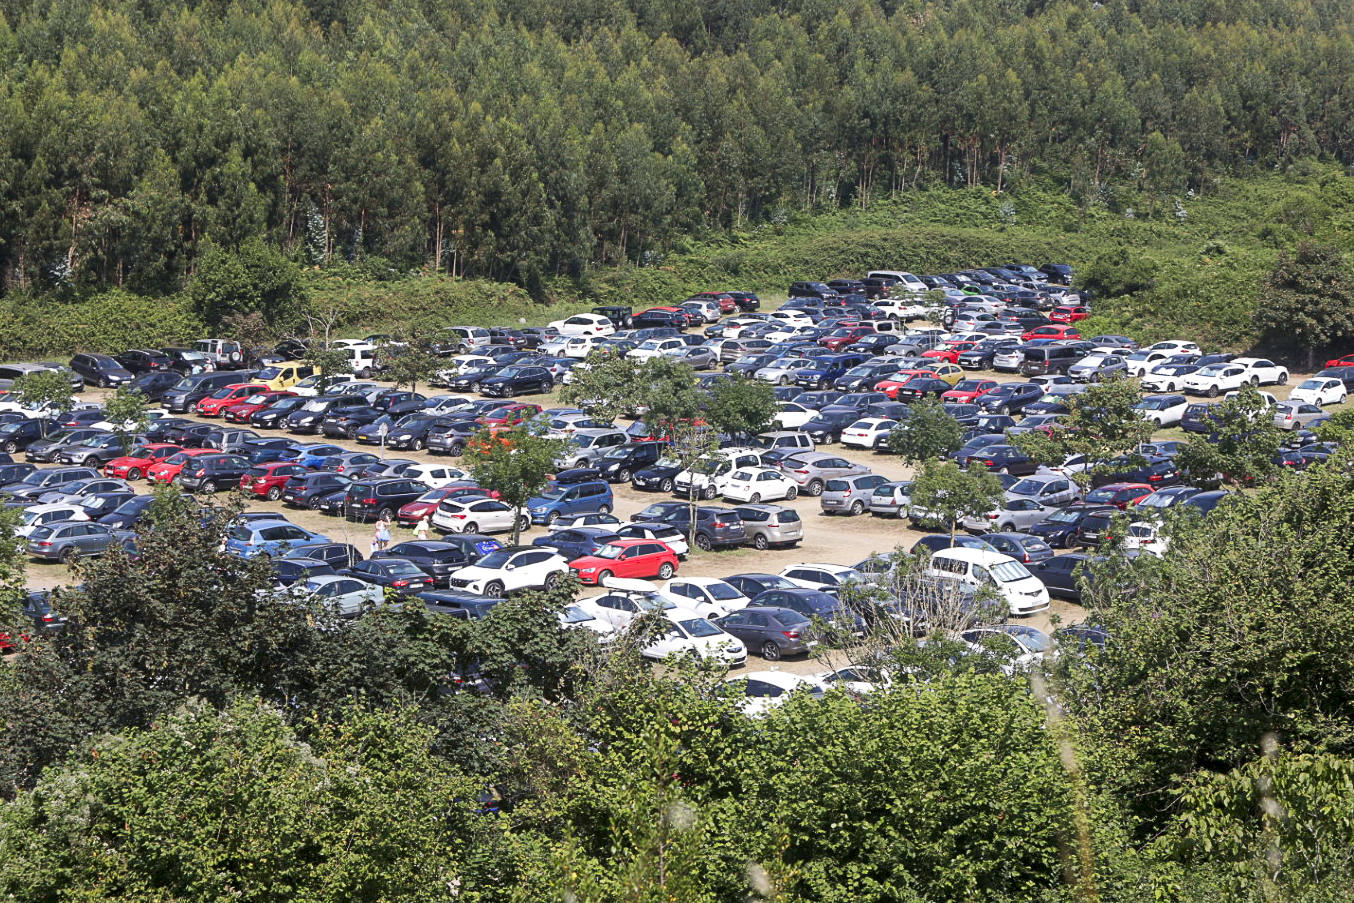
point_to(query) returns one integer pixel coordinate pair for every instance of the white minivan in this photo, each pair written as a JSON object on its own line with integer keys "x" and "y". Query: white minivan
{"x": 906, "y": 281}
{"x": 1023, "y": 592}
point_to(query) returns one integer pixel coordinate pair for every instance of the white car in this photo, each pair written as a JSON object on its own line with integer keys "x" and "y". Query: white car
{"x": 312, "y": 385}
{"x": 1319, "y": 390}
{"x": 1146, "y": 537}
{"x": 1163, "y": 410}
{"x": 434, "y": 476}
{"x": 577, "y": 617}
{"x": 792, "y": 415}
{"x": 347, "y": 595}
{"x": 709, "y": 476}
{"x": 783, "y": 371}
{"x": 152, "y": 415}
{"x": 1262, "y": 371}
{"x": 625, "y": 600}
{"x": 1141, "y": 362}
{"x": 867, "y": 432}
{"x": 585, "y": 324}
{"x": 759, "y": 484}
{"x": 795, "y": 319}
{"x": 652, "y": 348}
{"x": 35, "y": 516}
{"x": 1216, "y": 379}
{"x": 690, "y": 635}
{"x": 669, "y": 536}
{"x": 1175, "y": 346}
{"x": 823, "y": 577}
{"x": 475, "y": 515}
{"x": 1018, "y": 646}
{"x": 858, "y": 680}
{"x": 511, "y": 568}
{"x": 764, "y": 690}
{"x": 710, "y": 596}
{"x": 575, "y": 346}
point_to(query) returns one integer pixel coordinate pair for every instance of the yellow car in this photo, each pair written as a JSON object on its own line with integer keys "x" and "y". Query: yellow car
{"x": 284, "y": 375}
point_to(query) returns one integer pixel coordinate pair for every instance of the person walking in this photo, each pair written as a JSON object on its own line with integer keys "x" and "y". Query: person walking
{"x": 382, "y": 537}
{"x": 424, "y": 528}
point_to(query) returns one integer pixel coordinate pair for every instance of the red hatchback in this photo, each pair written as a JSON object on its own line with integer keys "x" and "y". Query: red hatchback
{"x": 1069, "y": 314}
{"x": 510, "y": 414}
{"x": 171, "y": 467}
{"x": 847, "y": 335}
{"x": 266, "y": 481}
{"x": 134, "y": 464}
{"x": 1346, "y": 361}
{"x": 211, "y": 405}
{"x": 1120, "y": 495}
{"x": 968, "y": 390}
{"x": 726, "y": 302}
{"x": 1055, "y": 331}
{"x": 639, "y": 558}
{"x": 240, "y": 410}
{"x": 949, "y": 352}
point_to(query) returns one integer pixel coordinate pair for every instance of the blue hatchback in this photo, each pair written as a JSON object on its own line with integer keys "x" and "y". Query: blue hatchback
{"x": 572, "y": 498}
{"x": 275, "y": 538}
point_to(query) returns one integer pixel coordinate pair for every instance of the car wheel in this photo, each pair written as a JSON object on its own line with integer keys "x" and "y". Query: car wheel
{"x": 1342, "y": 400}
{"x": 551, "y": 579}
{"x": 1212, "y": 391}
{"x": 471, "y": 527}
{"x": 792, "y": 493}
{"x": 760, "y": 542}
{"x": 857, "y": 507}
{"x": 352, "y": 433}
{"x": 603, "y": 509}
{"x": 209, "y": 487}
{"x": 274, "y": 493}
{"x": 524, "y": 523}
{"x": 493, "y": 588}
{"x": 785, "y": 380}
{"x": 134, "y": 474}
{"x": 475, "y": 387}
{"x": 815, "y": 488}
{"x": 770, "y": 651}
{"x": 665, "y": 486}
{"x": 709, "y": 492}
{"x": 665, "y": 571}
{"x": 755, "y": 498}
{"x": 623, "y": 475}
{"x": 418, "y": 444}
{"x": 11, "y": 446}
{"x": 457, "y": 448}
{"x": 603, "y": 577}
{"x": 69, "y": 555}
{"x": 314, "y": 503}
{"x": 1283, "y": 379}
{"x": 1255, "y": 381}
{"x": 386, "y": 513}
{"x": 551, "y": 518}
{"x": 581, "y": 462}
{"x": 704, "y": 543}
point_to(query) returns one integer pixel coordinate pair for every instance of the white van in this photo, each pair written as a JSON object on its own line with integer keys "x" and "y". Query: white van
{"x": 1023, "y": 592}
{"x": 906, "y": 281}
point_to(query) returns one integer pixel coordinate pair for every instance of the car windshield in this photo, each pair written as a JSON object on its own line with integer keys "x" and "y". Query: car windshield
{"x": 495, "y": 559}
{"x": 609, "y": 552}
{"x": 269, "y": 373}
{"x": 572, "y": 614}
{"x": 1312, "y": 384}
{"x": 1065, "y": 516}
{"x": 1031, "y": 639}
{"x": 318, "y": 404}
{"x": 722, "y": 591}
{"x": 1009, "y": 572}
{"x": 699, "y": 627}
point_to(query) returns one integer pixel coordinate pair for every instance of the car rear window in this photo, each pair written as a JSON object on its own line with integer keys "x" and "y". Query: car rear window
{"x": 787, "y": 516}
{"x": 837, "y": 486}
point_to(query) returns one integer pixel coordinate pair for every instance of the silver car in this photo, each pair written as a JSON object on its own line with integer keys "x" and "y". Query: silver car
{"x": 771, "y": 525}
{"x": 1048, "y": 490}
{"x": 1014, "y": 516}
{"x": 783, "y": 371}
{"x": 891, "y": 499}
{"x": 812, "y": 470}
{"x": 850, "y": 495}
{"x": 698, "y": 358}
{"x": 1096, "y": 367}
{"x": 1292, "y": 415}
{"x": 589, "y": 445}
{"x": 68, "y": 540}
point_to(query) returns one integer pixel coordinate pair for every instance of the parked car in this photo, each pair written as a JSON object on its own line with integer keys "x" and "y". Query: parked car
{"x": 626, "y": 558}
{"x": 67, "y": 541}
{"x": 511, "y": 568}
{"x": 476, "y": 515}
{"x": 811, "y": 470}
{"x": 1320, "y": 390}
{"x": 1012, "y": 582}
{"x": 100, "y": 370}
{"x": 274, "y": 538}
{"x": 772, "y": 632}
{"x": 765, "y": 526}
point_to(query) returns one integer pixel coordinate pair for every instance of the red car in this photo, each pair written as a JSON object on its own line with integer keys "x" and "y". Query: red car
{"x": 1120, "y": 495}
{"x": 266, "y": 481}
{"x": 950, "y": 351}
{"x": 968, "y": 390}
{"x": 134, "y": 464}
{"x": 240, "y": 410}
{"x": 638, "y": 558}
{"x": 1058, "y": 331}
{"x": 1346, "y": 361}
{"x": 847, "y": 335}
{"x": 169, "y": 468}
{"x": 1069, "y": 314}
{"x": 892, "y": 384}
{"x": 727, "y": 304}
{"x": 510, "y": 414}
{"x": 211, "y": 405}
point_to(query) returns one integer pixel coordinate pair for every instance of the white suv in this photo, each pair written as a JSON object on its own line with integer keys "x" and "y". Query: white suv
{"x": 511, "y": 568}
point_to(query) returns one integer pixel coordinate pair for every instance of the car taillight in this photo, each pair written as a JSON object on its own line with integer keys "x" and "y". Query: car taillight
{"x": 720, "y": 523}
{"x": 400, "y": 582}
{"x": 992, "y": 516}
{"x": 791, "y": 634}
{"x": 369, "y": 501}
{"x": 1156, "y": 477}
{"x": 44, "y": 544}
{"x": 804, "y": 472}
{"x": 458, "y": 517}
{"x": 773, "y": 523}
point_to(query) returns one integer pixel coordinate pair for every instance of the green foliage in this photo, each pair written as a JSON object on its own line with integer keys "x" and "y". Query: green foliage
{"x": 129, "y": 412}
{"x": 329, "y": 362}
{"x": 1246, "y": 441}
{"x": 256, "y": 278}
{"x": 409, "y": 361}
{"x": 48, "y": 389}
{"x": 929, "y": 432}
{"x": 1102, "y": 424}
{"x": 1117, "y": 272}
{"x": 114, "y": 320}
{"x": 606, "y": 386}
{"x": 1308, "y": 300}
{"x": 668, "y": 395}
{"x": 1339, "y": 428}
{"x": 741, "y": 407}
{"x": 515, "y": 463}
{"x": 948, "y": 494}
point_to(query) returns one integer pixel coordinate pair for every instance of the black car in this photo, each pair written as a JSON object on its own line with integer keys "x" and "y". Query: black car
{"x": 1057, "y": 273}
{"x": 287, "y": 571}
{"x": 145, "y": 360}
{"x": 460, "y": 605}
{"x": 275, "y": 415}
{"x": 811, "y": 603}
{"x": 772, "y": 632}
{"x": 1061, "y": 529}
{"x": 1010, "y": 398}
{"x": 435, "y": 558}
{"x": 657, "y": 477}
{"x": 828, "y": 425}
{"x": 922, "y": 387}
{"x": 979, "y": 357}
{"x": 658, "y": 318}
{"x": 1021, "y": 546}
{"x": 100, "y": 370}
{"x": 335, "y": 554}
{"x": 343, "y": 423}
{"x": 154, "y": 384}
{"x": 1198, "y": 417}
{"x": 368, "y": 499}
{"x": 621, "y": 462}
{"x": 998, "y": 458}
{"x": 22, "y": 434}
{"x": 1156, "y": 472}
{"x": 410, "y": 431}
{"x": 749, "y": 364}
{"x": 518, "y": 380}
{"x": 309, "y": 417}
{"x": 189, "y": 434}
{"x": 305, "y": 491}
{"x": 129, "y": 513}
{"x": 746, "y": 301}
{"x": 863, "y": 376}
{"x": 208, "y": 473}
{"x": 15, "y": 473}
{"x": 393, "y": 573}
{"x": 818, "y": 399}
{"x": 471, "y": 380}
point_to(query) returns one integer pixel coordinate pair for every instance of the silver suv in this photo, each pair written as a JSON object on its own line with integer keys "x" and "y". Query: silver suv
{"x": 1048, "y": 490}
{"x": 812, "y": 470}
{"x": 850, "y": 495}
{"x": 771, "y": 525}
{"x": 587, "y": 446}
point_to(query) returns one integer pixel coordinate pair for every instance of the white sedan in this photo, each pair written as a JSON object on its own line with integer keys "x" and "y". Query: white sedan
{"x": 764, "y": 690}
{"x": 793, "y": 415}
{"x": 346, "y": 595}
{"x": 475, "y": 515}
{"x": 585, "y": 324}
{"x": 1175, "y": 346}
{"x": 1262, "y": 372}
{"x": 690, "y": 635}
{"x": 759, "y": 484}
{"x": 1163, "y": 410}
{"x": 652, "y": 348}
{"x": 1319, "y": 390}
{"x": 1216, "y": 379}
{"x": 868, "y": 432}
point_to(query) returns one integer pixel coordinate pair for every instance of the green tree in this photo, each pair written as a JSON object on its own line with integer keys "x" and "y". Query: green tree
{"x": 948, "y": 494}
{"x": 1307, "y": 300}
{"x": 690, "y": 445}
{"x": 256, "y": 278}
{"x": 331, "y": 363}
{"x": 1102, "y": 424}
{"x": 410, "y": 362}
{"x": 515, "y": 463}
{"x": 129, "y": 412}
{"x": 1241, "y": 446}
{"x": 44, "y": 389}
{"x": 606, "y": 385}
{"x": 668, "y": 395}
{"x": 1118, "y": 272}
{"x": 927, "y": 433}
{"x": 741, "y": 408}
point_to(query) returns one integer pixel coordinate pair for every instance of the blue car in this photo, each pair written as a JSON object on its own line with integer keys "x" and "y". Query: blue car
{"x": 314, "y": 455}
{"x": 571, "y": 498}
{"x": 274, "y": 538}
{"x": 576, "y": 542}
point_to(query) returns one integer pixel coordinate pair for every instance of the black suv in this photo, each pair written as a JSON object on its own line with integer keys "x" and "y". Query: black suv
{"x": 618, "y": 464}
{"x": 715, "y": 527}
{"x": 209, "y": 473}
{"x": 369, "y": 499}
{"x": 305, "y": 491}
{"x": 516, "y": 379}
{"x": 439, "y": 558}
{"x": 343, "y": 423}
{"x": 310, "y": 415}
{"x": 145, "y": 360}
{"x": 20, "y": 435}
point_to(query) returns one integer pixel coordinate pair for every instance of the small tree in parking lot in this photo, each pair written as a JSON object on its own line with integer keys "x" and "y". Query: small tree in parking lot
{"x": 1102, "y": 424}
{"x": 951, "y": 494}
{"x": 409, "y": 362}
{"x": 741, "y": 407}
{"x": 328, "y": 362}
{"x": 1241, "y": 448}
{"x": 688, "y": 443}
{"x": 128, "y": 411}
{"x": 606, "y": 386}
{"x": 515, "y": 463}
{"x": 927, "y": 434}
{"x": 44, "y": 388}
